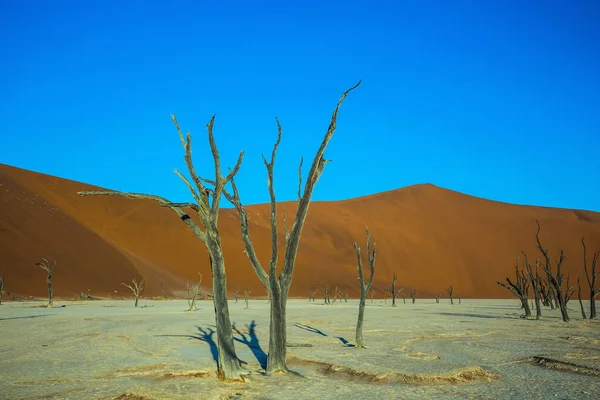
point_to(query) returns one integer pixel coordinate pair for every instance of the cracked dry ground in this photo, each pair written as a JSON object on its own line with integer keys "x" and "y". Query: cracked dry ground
{"x": 480, "y": 349}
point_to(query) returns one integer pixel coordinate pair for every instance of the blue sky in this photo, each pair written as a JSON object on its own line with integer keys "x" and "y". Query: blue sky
{"x": 496, "y": 99}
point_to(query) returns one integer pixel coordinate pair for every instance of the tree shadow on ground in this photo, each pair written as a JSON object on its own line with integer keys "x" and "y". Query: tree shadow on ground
{"x": 204, "y": 335}
{"x": 309, "y": 328}
{"x": 28, "y": 316}
{"x": 345, "y": 342}
{"x": 252, "y": 342}
{"x": 477, "y": 315}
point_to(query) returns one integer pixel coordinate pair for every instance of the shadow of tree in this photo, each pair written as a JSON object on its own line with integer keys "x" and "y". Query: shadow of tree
{"x": 204, "y": 335}
{"x": 252, "y": 342}
{"x": 477, "y": 315}
{"x": 28, "y": 316}
{"x": 309, "y": 328}
{"x": 344, "y": 342}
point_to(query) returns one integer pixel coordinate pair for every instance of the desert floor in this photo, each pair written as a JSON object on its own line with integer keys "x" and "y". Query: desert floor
{"x": 479, "y": 349}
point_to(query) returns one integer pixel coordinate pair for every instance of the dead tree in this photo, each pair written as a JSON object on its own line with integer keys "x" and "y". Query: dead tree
{"x": 535, "y": 284}
{"x": 404, "y": 299}
{"x": 591, "y": 277}
{"x": 385, "y": 292}
{"x": 437, "y": 298}
{"x": 278, "y": 286}
{"x": 579, "y": 298}
{"x": 246, "y": 294}
{"x": 345, "y": 297}
{"x": 519, "y": 288}
{"x": 372, "y": 294}
{"x": 393, "y": 290}
{"x": 555, "y": 278}
{"x": 49, "y": 268}
{"x": 311, "y": 295}
{"x": 236, "y": 293}
{"x": 325, "y": 289}
{"x": 162, "y": 290}
{"x": 450, "y": 291}
{"x": 364, "y": 287}
{"x": 206, "y": 205}
{"x": 136, "y": 289}
{"x": 195, "y": 293}
{"x": 335, "y": 294}
{"x": 1, "y": 287}
{"x": 413, "y": 296}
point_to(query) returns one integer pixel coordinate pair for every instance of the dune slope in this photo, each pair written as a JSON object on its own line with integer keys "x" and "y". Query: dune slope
{"x": 431, "y": 237}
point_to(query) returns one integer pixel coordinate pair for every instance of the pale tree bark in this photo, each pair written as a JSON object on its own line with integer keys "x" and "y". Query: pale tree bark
{"x": 437, "y": 298}
{"x": 591, "y": 277}
{"x": 450, "y": 291}
{"x": 136, "y": 289}
{"x": 49, "y": 268}
{"x": 413, "y": 296}
{"x": 335, "y": 294}
{"x": 555, "y": 278}
{"x": 520, "y": 288}
{"x": 535, "y": 280}
{"x": 207, "y": 204}
{"x": 311, "y": 295}
{"x": 236, "y": 293}
{"x": 278, "y": 286}
{"x": 364, "y": 287}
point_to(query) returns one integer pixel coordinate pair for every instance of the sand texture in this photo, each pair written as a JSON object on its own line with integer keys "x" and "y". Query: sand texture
{"x": 480, "y": 349}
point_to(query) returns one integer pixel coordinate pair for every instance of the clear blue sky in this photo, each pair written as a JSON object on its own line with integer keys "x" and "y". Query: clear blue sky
{"x": 497, "y": 99}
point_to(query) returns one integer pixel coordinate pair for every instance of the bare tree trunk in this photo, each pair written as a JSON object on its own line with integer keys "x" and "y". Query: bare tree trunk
{"x": 246, "y": 294}
{"x": 278, "y": 286}
{"x": 555, "y": 279}
{"x": 591, "y": 277}
{"x": 579, "y": 298}
{"x": 519, "y": 288}
{"x": 413, "y": 296}
{"x": 364, "y": 287}
{"x": 534, "y": 284}
{"x": 49, "y": 268}
{"x": 207, "y": 205}
{"x": 393, "y": 290}
{"x": 450, "y": 291}
{"x": 1, "y": 287}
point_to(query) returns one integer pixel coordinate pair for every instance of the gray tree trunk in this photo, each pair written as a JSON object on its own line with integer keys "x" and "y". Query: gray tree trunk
{"x": 359, "y": 324}
{"x": 277, "y": 328}
{"x": 50, "y": 294}
{"x": 1, "y": 287}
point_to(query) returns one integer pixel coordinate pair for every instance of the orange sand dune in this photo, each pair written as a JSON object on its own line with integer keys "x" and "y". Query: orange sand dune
{"x": 431, "y": 237}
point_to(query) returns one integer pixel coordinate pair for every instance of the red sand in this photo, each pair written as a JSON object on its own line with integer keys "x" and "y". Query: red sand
{"x": 431, "y": 237}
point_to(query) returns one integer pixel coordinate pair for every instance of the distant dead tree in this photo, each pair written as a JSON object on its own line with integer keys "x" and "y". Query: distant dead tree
{"x": 555, "y": 278}
{"x": 162, "y": 290}
{"x": 404, "y": 299}
{"x": 325, "y": 289}
{"x": 413, "y": 296}
{"x": 335, "y": 294}
{"x": 450, "y": 291}
{"x": 311, "y": 295}
{"x": 136, "y": 289}
{"x": 1, "y": 287}
{"x": 394, "y": 291}
{"x": 437, "y": 298}
{"x": 519, "y": 288}
{"x": 364, "y": 287}
{"x": 49, "y": 268}
{"x": 236, "y": 293}
{"x": 535, "y": 284}
{"x": 345, "y": 297}
{"x": 591, "y": 277}
{"x": 372, "y": 294}
{"x": 206, "y": 205}
{"x": 278, "y": 286}
{"x": 579, "y": 298}
{"x": 385, "y": 292}
{"x": 195, "y": 293}
{"x": 246, "y": 294}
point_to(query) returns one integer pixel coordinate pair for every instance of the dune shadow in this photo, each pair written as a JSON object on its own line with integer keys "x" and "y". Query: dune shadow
{"x": 309, "y": 328}
{"x": 345, "y": 342}
{"x": 251, "y": 340}
{"x": 477, "y": 315}
{"x": 28, "y": 316}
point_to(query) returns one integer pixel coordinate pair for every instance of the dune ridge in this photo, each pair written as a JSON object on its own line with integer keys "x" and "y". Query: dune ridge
{"x": 430, "y": 236}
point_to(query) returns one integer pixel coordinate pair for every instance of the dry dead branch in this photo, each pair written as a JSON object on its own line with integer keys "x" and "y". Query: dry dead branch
{"x": 49, "y": 268}
{"x": 450, "y": 291}
{"x": 136, "y": 289}
{"x": 591, "y": 277}
{"x": 364, "y": 287}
